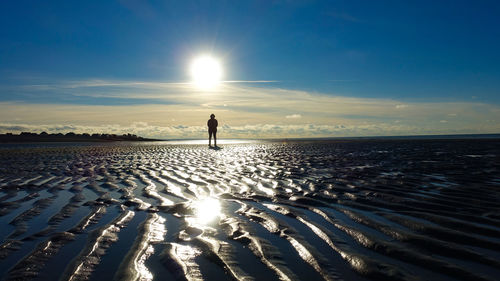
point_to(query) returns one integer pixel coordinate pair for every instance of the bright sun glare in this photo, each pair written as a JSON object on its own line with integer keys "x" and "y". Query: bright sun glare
{"x": 207, "y": 210}
{"x": 206, "y": 72}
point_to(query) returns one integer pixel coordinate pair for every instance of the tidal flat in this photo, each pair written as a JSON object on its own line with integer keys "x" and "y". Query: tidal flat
{"x": 374, "y": 209}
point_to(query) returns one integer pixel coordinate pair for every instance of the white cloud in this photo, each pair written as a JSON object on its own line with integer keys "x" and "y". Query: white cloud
{"x": 243, "y": 131}
{"x": 177, "y": 110}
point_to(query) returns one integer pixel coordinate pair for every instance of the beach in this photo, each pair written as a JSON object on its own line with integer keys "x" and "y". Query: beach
{"x": 366, "y": 209}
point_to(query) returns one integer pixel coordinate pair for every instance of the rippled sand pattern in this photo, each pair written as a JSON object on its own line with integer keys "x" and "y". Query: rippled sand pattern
{"x": 324, "y": 210}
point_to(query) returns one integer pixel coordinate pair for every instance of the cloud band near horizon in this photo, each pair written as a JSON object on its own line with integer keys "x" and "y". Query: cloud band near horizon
{"x": 177, "y": 110}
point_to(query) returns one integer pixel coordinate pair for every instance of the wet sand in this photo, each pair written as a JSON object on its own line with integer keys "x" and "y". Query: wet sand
{"x": 261, "y": 210}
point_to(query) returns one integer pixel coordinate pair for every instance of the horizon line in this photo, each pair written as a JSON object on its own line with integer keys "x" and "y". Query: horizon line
{"x": 351, "y": 137}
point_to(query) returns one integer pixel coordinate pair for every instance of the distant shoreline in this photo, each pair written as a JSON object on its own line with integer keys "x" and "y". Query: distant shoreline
{"x": 27, "y": 137}
{"x": 407, "y": 137}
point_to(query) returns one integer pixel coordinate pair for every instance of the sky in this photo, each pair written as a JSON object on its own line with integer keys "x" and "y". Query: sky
{"x": 290, "y": 68}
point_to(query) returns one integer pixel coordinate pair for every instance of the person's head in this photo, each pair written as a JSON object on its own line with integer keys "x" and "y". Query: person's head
{"x": 212, "y": 116}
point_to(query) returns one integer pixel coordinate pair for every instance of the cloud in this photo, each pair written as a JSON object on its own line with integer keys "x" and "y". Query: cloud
{"x": 100, "y": 83}
{"x": 243, "y": 131}
{"x": 181, "y": 131}
{"x": 166, "y": 110}
{"x": 250, "y": 81}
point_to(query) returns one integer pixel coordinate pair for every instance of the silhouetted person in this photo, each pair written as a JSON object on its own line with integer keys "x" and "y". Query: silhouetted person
{"x": 212, "y": 130}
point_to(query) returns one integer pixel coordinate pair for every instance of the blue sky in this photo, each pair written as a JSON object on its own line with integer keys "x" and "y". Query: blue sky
{"x": 108, "y": 55}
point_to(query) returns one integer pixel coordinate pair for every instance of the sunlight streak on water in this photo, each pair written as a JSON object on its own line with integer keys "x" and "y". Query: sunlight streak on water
{"x": 205, "y": 141}
{"x": 154, "y": 233}
{"x": 207, "y": 210}
{"x": 185, "y": 256}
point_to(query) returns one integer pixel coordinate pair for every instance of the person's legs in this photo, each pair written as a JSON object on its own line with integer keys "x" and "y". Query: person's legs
{"x": 215, "y": 138}
{"x": 209, "y": 138}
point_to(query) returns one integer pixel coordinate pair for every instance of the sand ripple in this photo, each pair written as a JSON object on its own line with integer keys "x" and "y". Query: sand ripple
{"x": 317, "y": 210}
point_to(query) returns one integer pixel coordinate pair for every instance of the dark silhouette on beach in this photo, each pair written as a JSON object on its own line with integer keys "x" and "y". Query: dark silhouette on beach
{"x": 69, "y": 137}
{"x": 212, "y": 130}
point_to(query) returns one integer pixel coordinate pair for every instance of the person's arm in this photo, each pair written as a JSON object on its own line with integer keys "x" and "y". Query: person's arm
{"x": 216, "y": 123}
{"x": 208, "y": 123}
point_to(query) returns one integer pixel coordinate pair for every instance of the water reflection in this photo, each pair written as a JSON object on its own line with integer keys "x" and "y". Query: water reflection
{"x": 207, "y": 210}
{"x": 154, "y": 232}
{"x": 205, "y": 141}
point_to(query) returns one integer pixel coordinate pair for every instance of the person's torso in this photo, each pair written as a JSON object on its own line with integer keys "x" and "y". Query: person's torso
{"x": 212, "y": 123}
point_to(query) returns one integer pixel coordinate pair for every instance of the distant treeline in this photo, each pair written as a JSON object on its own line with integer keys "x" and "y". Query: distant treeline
{"x": 68, "y": 137}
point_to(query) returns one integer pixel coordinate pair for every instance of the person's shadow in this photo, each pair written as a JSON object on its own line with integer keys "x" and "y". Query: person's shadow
{"x": 216, "y": 147}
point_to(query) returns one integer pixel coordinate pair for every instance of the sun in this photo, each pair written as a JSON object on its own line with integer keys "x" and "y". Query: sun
{"x": 206, "y": 72}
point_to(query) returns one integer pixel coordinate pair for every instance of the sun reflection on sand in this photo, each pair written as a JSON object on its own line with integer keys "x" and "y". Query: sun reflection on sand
{"x": 205, "y": 141}
{"x": 134, "y": 265}
{"x": 207, "y": 210}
